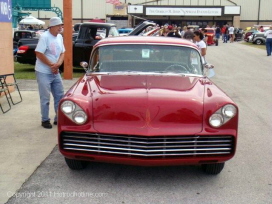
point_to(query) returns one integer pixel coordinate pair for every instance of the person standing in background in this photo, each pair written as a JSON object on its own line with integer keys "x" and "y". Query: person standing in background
{"x": 174, "y": 33}
{"x": 225, "y": 34}
{"x": 204, "y": 31}
{"x": 198, "y": 40}
{"x": 223, "y": 30}
{"x": 217, "y": 34}
{"x": 268, "y": 42}
{"x": 50, "y": 55}
{"x": 184, "y": 29}
{"x": 231, "y": 33}
{"x": 164, "y": 31}
{"x": 188, "y": 35}
{"x": 261, "y": 29}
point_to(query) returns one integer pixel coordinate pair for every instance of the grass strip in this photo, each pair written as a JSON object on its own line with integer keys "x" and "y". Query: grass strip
{"x": 27, "y": 71}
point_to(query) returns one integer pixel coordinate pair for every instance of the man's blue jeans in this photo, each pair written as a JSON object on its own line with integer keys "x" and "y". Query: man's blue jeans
{"x": 48, "y": 83}
{"x": 268, "y": 44}
{"x": 225, "y": 38}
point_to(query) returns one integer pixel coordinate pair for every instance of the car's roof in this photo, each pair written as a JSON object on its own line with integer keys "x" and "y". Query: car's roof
{"x": 145, "y": 40}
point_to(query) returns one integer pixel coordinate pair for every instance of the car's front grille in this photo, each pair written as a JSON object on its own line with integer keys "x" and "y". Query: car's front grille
{"x": 143, "y": 146}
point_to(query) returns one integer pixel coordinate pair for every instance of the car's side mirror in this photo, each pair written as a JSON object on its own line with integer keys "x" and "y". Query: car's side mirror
{"x": 84, "y": 65}
{"x": 208, "y": 70}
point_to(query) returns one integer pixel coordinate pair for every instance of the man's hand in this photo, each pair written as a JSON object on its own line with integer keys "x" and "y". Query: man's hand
{"x": 54, "y": 68}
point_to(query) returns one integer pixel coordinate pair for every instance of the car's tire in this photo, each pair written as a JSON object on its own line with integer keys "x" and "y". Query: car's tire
{"x": 213, "y": 168}
{"x": 258, "y": 42}
{"x": 76, "y": 164}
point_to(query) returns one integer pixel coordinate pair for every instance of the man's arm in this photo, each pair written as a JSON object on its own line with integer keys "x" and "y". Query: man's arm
{"x": 61, "y": 59}
{"x": 54, "y": 66}
{"x": 43, "y": 58}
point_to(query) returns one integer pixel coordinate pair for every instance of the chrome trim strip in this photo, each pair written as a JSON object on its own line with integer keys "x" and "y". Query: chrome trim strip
{"x": 149, "y": 155}
{"x": 153, "y": 146}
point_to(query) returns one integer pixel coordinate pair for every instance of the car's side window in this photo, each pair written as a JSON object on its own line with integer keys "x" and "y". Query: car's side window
{"x": 94, "y": 63}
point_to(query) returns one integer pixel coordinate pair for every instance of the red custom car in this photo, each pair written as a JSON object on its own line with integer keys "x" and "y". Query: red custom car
{"x": 210, "y": 32}
{"x": 147, "y": 101}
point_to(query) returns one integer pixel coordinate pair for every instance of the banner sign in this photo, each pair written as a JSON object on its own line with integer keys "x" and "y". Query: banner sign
{"x": 5, "y": 11}
{"x": 156, "y": 11}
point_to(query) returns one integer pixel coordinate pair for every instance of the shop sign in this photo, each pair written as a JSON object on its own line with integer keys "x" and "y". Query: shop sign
{"x": 156, "y": 11}
{"x": 135, "y": 9}
{"x": 5, "y": 11}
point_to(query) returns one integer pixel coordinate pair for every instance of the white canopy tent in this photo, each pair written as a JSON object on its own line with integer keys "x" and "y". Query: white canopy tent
{"x": 31, "y": 20}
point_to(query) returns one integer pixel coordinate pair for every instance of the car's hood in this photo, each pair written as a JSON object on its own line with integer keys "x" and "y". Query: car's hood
{"x": 147, "y": 104}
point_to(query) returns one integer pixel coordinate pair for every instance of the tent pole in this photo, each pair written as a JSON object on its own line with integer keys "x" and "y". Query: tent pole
{"x": 68, "y": 57}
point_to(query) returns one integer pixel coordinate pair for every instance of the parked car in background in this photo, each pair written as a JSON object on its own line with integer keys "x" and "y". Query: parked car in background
{"x": 140, "y": 28}
{"x": 124, "y": 31}
{"x": 210, "y": 32}
{"x": 83, "y": 41}
{"x": 249, "y": 33}
{"x": 153, "y": 32}
{"x": 258, "y": 38}
{"x": 147, "y": 101}
{"x": 238, "y": 34}
{"x": 77, "y": 27}
{"x": 22, "y": 34}
{"x": 249, "y": 28}
{"x": 19, "y": 34}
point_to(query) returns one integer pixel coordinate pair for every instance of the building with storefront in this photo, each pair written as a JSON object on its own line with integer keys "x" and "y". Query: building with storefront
{"x": 240, "y": 13}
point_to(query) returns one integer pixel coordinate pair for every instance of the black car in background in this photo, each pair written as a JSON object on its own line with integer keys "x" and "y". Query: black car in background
{"x": 238, "y": 34}
{"x": 88, "y": 35}
{"x": 22, "y": 34}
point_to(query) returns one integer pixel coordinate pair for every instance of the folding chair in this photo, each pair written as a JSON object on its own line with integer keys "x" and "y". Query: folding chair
{"x": 4, "y": 90}
{"x": 13, "y": 84}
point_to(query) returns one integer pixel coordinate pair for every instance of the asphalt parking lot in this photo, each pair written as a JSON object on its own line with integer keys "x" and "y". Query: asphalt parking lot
{"x": 24, "y": 143}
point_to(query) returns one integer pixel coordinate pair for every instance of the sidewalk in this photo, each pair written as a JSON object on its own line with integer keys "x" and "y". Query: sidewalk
{"x": 24, "y": 143}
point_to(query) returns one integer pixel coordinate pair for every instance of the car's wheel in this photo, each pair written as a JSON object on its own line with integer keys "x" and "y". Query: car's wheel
{"x": 76, "y": 164}
{"x": 258, "y": 42}
{"x": 213, "y": 168}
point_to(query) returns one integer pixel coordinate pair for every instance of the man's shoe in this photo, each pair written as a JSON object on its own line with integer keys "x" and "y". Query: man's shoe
{"x": 47, "y": 124}
{"x": 55, "y": 122}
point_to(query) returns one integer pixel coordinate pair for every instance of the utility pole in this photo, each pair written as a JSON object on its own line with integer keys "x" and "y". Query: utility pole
{"x": 259, "y": 7}
{"x": 68, "y": 56}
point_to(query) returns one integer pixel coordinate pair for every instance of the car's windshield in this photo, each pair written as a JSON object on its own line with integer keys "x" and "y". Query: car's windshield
{"x": 146, "y": 58}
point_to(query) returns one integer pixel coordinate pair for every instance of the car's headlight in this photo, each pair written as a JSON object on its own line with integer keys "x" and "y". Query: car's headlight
{"x": 74, "y": 112}
{"x": 222, "y": 115}
{"x": 216, "y": 120}
{"x": 68, "y": 107}
{"x": 229, "y": 111}
{"x": 79, "y": 117}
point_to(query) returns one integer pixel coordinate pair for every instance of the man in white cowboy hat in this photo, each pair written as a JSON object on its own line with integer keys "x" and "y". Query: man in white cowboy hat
{"x": 50, "y": 54}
